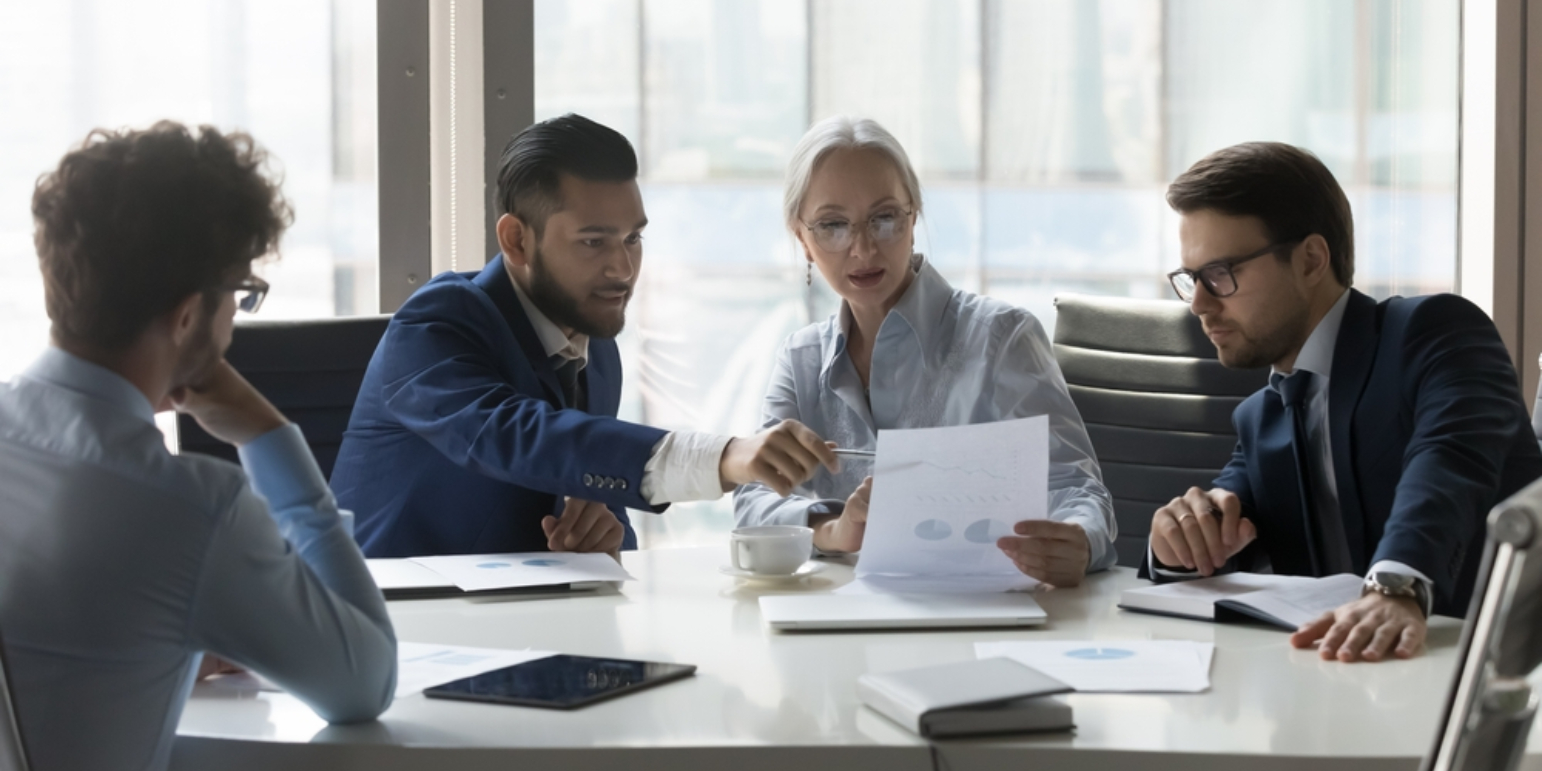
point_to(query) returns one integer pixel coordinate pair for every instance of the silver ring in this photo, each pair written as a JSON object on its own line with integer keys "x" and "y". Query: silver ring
{"x": 1187, "y": 515}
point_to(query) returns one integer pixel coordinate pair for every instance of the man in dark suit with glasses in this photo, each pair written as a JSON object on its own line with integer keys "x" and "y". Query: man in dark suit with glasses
{"x": 1386, "y": 433}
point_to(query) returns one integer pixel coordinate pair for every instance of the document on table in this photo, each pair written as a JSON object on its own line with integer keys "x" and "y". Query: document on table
{"x": 477, "y": 572}
{"x": 942, "y": 496}
{"x": 419, "y": 666}
{"x": 423, "y": 665}
{"x": 1285, "y": 601}
{"x": 1114, "y": 666}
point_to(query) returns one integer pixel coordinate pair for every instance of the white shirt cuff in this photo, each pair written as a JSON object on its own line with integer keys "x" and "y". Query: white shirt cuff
{"x": 684, "y": 467}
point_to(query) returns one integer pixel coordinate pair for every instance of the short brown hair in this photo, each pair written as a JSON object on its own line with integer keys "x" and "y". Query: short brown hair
{"x": 1287, "y": 187}
{"x": 132, "y": 222}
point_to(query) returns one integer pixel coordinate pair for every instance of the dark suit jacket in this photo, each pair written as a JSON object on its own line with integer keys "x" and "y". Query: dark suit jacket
{"x": 1428, "y": 432}
{"x": 460, "y": 443}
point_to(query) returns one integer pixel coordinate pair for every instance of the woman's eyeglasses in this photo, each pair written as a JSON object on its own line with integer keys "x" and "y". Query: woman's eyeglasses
{"x": 837, "y": 235}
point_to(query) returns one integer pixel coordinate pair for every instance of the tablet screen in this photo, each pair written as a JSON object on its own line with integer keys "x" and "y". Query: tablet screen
{"x": 561, "y": 681}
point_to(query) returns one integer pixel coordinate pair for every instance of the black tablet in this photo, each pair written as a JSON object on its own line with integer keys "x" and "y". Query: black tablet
{"x": 561, "y": 681}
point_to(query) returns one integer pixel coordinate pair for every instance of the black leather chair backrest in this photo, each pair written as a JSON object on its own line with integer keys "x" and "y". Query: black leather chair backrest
{"x": 13, "y": 752}
{"x": 311, "y": 370}
{"x": 1156, "y": 401}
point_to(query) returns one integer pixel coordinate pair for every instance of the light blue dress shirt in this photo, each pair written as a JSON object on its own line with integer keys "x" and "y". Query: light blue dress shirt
{"x": 943, "y": 357}
{"x": 121, "y": 563}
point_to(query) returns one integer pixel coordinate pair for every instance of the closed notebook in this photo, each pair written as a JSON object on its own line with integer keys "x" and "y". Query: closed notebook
{"x": 993, "y": 695}
{"x": 1284, "y": 601}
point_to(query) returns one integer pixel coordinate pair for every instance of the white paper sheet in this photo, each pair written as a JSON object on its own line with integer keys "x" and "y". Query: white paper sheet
{"x": 476, "y": 572}
{"x": 419, "y": 666}
{"x": 942, "y": 496}
{"x": 424, "y": 665}
{"x": 1114, "y": 666}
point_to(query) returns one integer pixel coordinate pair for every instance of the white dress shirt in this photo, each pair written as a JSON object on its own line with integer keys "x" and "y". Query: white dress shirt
{"x": 683, "y": 465}
{"x": 942, "y": 357}
{"x": 121, "y": 563}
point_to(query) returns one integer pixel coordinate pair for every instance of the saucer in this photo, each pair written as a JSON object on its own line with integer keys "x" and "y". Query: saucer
{"x": 804, "y": 571}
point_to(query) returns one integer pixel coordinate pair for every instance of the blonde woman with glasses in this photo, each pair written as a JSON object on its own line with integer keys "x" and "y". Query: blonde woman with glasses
{"x": 907, "y": 350}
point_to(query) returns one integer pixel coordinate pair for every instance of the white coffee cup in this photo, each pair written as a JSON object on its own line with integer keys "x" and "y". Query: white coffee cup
{"x": 772, "y": 550}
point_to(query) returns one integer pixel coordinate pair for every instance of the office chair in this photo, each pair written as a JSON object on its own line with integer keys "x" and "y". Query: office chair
{"x": 1490, "y": 706}
{"x": 311, "y": 370}
{"x": 13, "y": 752}
{"x": 1156, "y": 401}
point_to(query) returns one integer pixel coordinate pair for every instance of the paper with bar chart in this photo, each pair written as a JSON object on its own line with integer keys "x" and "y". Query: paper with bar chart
{"x": 942, "y": 496}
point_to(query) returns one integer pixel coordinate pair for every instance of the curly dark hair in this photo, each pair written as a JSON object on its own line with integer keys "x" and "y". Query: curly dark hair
{"x": 132, "y": 222}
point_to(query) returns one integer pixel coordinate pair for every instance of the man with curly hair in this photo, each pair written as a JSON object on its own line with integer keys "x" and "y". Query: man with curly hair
{"x": 121, "y": 564}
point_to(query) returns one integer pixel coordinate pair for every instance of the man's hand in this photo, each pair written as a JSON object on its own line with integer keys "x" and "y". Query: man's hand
{"x": 227, "y": 406}
{"x": 212, "y": 665}
{"x": 844, "y": 533}
{"x": 585, "y": 526}
{"x": 781, "y": 457}
{"x": 1201, "y": 530}
{"x": 1366, "y": 629}
{"x": 1053, "y": 552}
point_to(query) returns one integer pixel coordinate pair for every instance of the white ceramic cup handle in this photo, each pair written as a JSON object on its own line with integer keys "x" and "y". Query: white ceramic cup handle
{"x": 740, "y": 547}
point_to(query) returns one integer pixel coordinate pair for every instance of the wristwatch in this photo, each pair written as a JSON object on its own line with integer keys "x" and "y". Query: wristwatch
{"x": 1399, "y": 585}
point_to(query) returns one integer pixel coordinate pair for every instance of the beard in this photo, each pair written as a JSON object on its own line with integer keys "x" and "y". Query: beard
{"x": 1271, "y": 346}
{"x": 200, "y": 358}
{"x": 564, "y": 309}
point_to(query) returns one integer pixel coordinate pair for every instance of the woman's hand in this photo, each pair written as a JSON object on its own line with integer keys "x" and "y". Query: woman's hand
{"x": 844, "y": 533}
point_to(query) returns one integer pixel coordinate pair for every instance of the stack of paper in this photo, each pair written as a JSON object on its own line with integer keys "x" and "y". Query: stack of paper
{"x": 1123, "y": 666}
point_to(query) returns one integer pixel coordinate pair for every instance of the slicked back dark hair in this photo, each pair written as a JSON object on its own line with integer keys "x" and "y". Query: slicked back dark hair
{"x": 1285, "y": 186}
{"x": 134, "y": 221}
{"x": 529, "y": 173}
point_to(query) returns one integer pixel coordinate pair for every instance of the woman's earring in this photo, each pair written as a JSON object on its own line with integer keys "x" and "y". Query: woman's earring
{"x": 808, "y": 279}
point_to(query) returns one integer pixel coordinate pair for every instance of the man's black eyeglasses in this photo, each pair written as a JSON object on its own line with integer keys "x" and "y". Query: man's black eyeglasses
{"x": 1217, "y": 276}
{"x": 249, "y": 293}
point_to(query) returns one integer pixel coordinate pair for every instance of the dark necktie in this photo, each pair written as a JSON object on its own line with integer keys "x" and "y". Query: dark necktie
{"x": 1293, "y": 390}
{"x": 567, "y": 377}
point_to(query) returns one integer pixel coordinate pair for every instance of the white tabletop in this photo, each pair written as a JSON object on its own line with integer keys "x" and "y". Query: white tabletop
{"x": 764, "y": 699}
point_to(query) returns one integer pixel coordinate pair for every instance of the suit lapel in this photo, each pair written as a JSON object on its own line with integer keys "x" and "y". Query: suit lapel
{"x": 495, "y": 281}
{"x": 1353, "y": 354}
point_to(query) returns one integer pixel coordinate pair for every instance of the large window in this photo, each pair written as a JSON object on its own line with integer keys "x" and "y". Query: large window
{"x": 299, "y": 75}
{"x": 1045, "y": 132}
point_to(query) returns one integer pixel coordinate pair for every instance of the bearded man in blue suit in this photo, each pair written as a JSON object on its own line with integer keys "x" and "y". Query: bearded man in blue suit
{"x": 1387, "y": 431}
{"x": 486, "y": 420}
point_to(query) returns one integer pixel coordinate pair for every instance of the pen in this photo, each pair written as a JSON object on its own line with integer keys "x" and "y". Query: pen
{"x": 868, "y": 454}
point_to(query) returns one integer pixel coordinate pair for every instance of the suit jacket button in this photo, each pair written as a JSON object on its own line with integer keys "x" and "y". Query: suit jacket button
{"x": 609, "y": 483}
{"x": 623, "y": 484}
{"x": 588, "y": 480}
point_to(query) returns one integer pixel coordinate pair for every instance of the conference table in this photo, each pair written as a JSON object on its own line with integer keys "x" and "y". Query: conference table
{"x": 763, "y": 699}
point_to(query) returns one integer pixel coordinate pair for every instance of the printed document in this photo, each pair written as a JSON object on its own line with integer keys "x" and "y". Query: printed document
{"x": 419, "y": 666}
{"x": 477, "y": 572}
{"x": 1114, "y": 666}
{"x": 942, "y": 496}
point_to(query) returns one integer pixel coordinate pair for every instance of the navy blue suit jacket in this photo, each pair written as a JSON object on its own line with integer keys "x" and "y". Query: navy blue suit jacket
{"x": 1428, "y": 431}
{"x": 460, "y": 441}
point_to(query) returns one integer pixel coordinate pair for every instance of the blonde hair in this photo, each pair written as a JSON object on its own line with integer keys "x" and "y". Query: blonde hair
{"x": 842, "y": 132}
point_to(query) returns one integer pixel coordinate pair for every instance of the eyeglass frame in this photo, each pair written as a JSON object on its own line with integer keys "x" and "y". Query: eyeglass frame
{"x": 905, "y": 214}
{"x": 1227, "y": 264}
{"x": 257, "y": 288}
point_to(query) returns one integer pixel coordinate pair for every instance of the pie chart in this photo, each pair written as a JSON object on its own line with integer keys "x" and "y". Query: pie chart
{"x": 985, "y": 531}
{"x": 933, "y": 530}
{"x": 1099, "y": 654}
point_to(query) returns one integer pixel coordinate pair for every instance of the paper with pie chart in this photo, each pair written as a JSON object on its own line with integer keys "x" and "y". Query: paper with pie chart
{"x": 942, "y": 496}
{"x": 477, "y": 572}
{"x": 1113, "y": 666}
